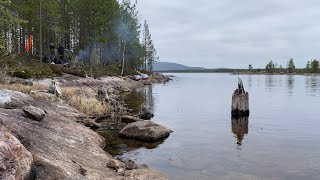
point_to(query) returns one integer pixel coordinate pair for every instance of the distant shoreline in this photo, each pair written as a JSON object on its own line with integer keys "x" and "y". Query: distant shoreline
{"x": 242, "y": 72}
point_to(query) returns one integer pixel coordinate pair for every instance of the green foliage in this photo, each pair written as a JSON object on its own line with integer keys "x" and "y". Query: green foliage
{"x": 108, "y": 30}
{"x": 270, "y": 67}
{"x": 315, "y": 66}
{"x": 250, "y": 67}
{"x": 150, "y": 54}
{"x": 291, "y": 66}
{"x": 21, "y": 73}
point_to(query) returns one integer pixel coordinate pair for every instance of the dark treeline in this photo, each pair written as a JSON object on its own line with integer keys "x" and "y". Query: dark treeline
{"x": 98, "y": 32}
{"x": 312, "y": 66}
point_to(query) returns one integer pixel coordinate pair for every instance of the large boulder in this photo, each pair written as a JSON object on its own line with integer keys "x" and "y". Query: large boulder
{"x": 15, "y": 161}
{"x": 18, "y": 99}
{"x": 34, "y": 112}
{"x": 5, "y": 100}
{"x": 147, "y": 131}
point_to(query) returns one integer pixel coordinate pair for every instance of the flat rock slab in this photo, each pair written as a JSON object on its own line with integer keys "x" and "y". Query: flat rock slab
{"x": 34, "y": 112}
{"x": 147, "y": 131}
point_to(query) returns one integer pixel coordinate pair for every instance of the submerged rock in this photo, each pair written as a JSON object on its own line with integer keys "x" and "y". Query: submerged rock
{"x": 145, "y": 131}
{"x": 34, "y": 113}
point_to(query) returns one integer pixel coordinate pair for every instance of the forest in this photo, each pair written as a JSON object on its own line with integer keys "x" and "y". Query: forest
{"x": 100, "y": 33}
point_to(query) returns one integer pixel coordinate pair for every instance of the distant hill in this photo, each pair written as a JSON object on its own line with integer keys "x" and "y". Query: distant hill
{"x": 168, "y": 66}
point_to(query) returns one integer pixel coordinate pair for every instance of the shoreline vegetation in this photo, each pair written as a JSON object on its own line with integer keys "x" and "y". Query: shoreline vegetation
{"x": 312, "y": 68}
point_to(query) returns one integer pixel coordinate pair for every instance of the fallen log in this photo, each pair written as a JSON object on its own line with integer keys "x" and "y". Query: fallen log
{"x": 240, "y": 101}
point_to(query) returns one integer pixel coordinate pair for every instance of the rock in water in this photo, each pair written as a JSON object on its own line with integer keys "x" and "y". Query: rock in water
{"x": 34, "y": 112}
{"x": 130, "y": 119}
{"x": 5, "y": 100}
{"x": 147, "y": 131}
{"x": 240, "y": 102}
{"x": 145, "y": 113}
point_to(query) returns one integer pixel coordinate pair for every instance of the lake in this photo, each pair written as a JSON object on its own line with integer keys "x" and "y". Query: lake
{"x": 280, "y": 139}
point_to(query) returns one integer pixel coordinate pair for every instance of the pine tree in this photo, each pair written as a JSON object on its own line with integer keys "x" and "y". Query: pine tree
{"x": 291, "y": 66}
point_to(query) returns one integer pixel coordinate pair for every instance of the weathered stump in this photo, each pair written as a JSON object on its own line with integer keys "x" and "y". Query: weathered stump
{"x": 240, "y": 102}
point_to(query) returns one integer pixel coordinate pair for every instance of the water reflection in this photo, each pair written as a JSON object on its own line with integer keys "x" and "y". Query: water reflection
{"x": 270, "y": 82}
{"x": 135, "y": 101}
{"x": 250, "y": 81}
{"x": 313, "y": 86}
{"x": 240, "y": 128}
{"x": 290, "y": 84}
{"x": 140, "y": 97}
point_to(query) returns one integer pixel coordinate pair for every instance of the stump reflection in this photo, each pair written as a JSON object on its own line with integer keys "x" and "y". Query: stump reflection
{"x": 240, "y": 128}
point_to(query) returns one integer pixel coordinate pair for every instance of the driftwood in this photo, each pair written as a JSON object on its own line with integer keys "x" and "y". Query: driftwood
{"x": 240, "y": 101}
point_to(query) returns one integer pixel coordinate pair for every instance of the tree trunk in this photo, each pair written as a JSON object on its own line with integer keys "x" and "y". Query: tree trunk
{"x": 123, "y": 59}
{"x": 240, "y": 102}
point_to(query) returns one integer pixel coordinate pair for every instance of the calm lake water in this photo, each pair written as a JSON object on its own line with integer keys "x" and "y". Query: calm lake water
{"x": 280, "y": 139}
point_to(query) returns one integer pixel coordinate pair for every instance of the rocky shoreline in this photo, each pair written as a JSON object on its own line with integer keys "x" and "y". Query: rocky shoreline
{"x": 56, "y": 146}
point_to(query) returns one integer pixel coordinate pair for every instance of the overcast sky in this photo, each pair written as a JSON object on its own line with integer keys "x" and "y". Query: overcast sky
{"x": 234, "y": 33}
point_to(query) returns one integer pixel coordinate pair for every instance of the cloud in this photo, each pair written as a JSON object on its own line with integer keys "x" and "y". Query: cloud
{"x": 234, "y": 33}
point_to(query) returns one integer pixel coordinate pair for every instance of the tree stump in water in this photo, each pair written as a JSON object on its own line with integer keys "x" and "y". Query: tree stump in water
{"x": 240, "y": 102}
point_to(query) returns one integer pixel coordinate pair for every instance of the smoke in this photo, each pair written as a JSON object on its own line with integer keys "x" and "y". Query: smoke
{"x": 83, "y": 55}
{"x": 123, "y": 31}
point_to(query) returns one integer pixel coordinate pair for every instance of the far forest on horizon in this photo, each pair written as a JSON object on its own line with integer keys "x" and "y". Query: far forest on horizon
{"x": 312, "y": 67}
{"x": 106, "y": 36}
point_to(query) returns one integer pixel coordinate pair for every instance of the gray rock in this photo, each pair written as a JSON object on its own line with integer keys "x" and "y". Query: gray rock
{"x": 55, "y": 88}
{"x": 145, "y": 113}
{"x": 116, "y": 164}
{"x": 5, "y": 100}
{"x": 27, "y": 82}
{"x": 15, "y": 161}
{"x": 144, "y": 174}
{"x": 18, "y": 99}
{"x": 130, "y": 119}
{"x": 34, "y": 112}
{"x": 147, "y": 131}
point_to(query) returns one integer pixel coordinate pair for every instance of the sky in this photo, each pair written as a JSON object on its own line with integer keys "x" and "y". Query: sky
{"x": 233, "y": 33}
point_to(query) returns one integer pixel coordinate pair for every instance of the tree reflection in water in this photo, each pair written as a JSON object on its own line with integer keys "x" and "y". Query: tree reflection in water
{"x": 134, "y": 101}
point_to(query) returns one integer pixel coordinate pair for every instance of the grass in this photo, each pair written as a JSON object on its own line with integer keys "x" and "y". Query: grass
{"x": 80, "y": 98}
{"x": 84, "y": 100}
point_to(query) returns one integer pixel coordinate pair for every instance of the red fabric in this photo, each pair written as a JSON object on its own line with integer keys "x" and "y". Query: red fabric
{"x": 29, "y": 44}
